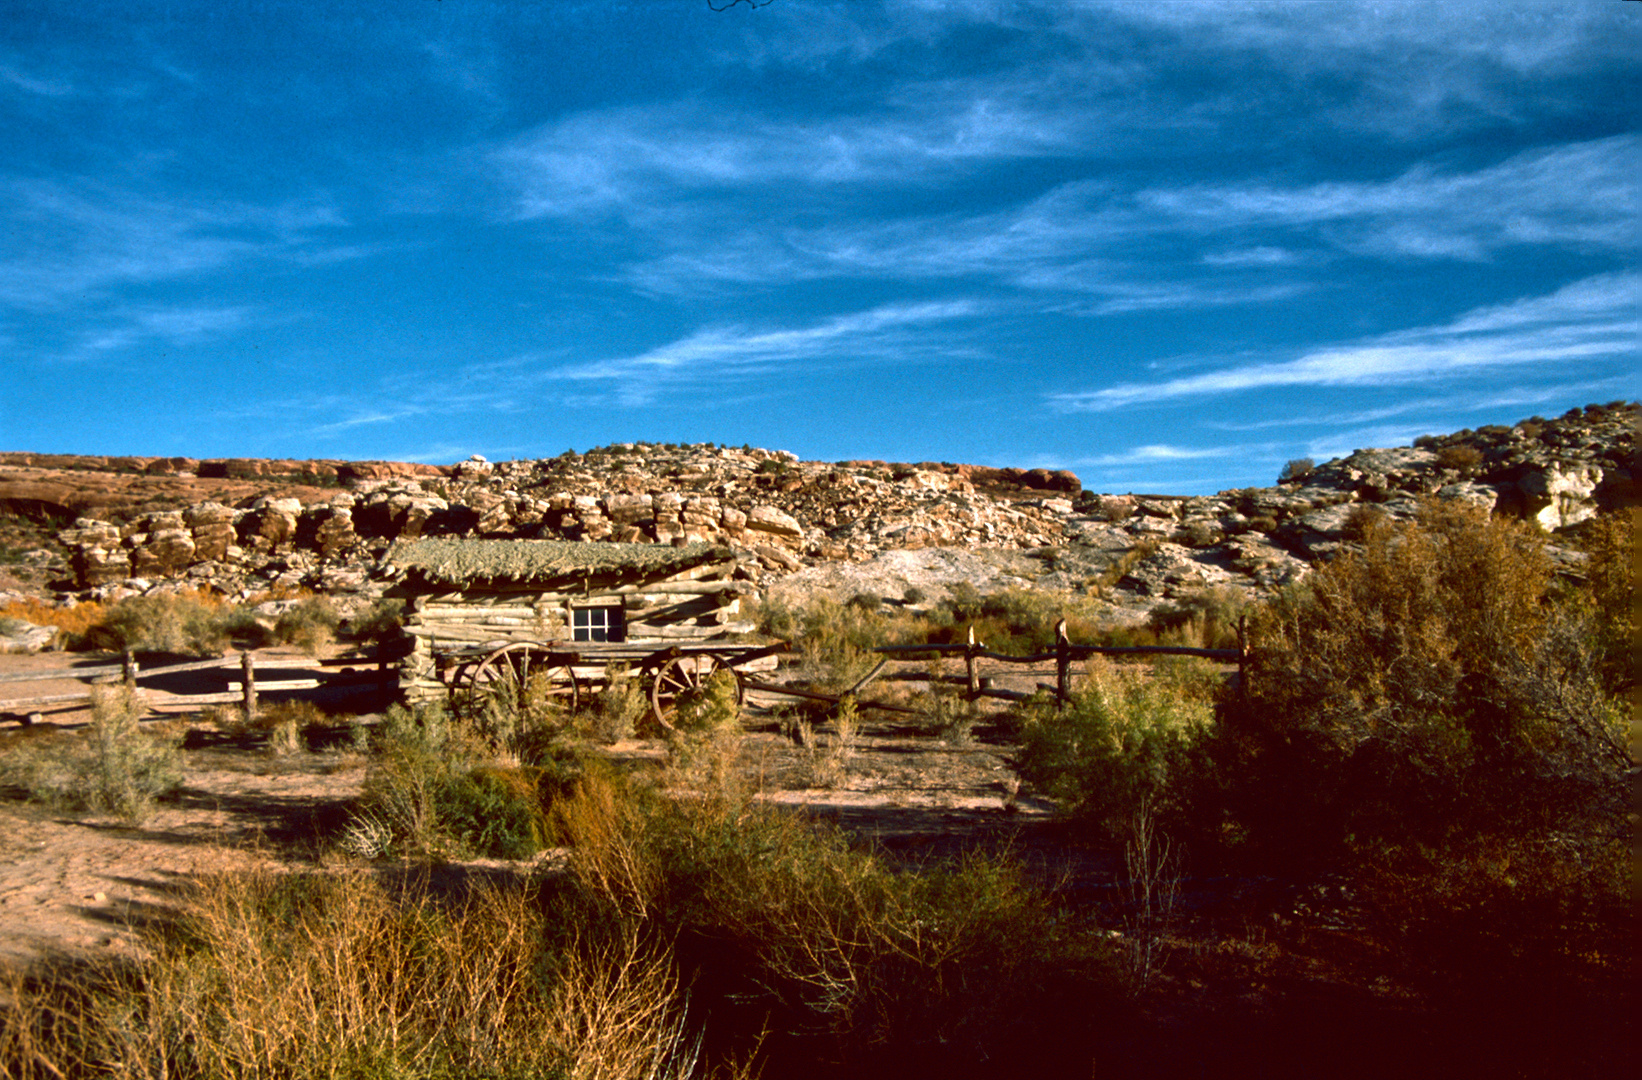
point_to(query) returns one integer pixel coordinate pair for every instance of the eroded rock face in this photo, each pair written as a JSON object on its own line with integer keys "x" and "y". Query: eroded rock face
{"x": 785, "y": 514}
{"x": 1557, "y": 496}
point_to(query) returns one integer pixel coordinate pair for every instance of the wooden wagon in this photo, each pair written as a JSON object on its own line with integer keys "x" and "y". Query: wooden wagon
{"x": 571, "y": 670}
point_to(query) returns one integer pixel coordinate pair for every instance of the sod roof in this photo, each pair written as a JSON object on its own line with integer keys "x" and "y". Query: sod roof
{"x": 544, "y": 563}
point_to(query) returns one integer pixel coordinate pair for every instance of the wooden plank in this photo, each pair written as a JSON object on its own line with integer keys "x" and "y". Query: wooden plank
{"x": 871, "y": 675}
{"x": 155, "y": 698}
{"x": 811, "y": 695}
{"x": 265, "y": 687}
{"x": 19, "y": 704}
{"x": 1075, "y": 650}
{"x": 71, "y": 673}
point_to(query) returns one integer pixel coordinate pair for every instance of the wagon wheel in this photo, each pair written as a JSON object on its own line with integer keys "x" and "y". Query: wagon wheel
{"x": 684, "y": 675}
{"x": 509, "y": 670}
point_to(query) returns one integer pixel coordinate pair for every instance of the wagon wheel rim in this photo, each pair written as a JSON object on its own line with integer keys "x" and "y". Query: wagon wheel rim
{"x": 509, "y": 669}
{"x": 686, "y": 675}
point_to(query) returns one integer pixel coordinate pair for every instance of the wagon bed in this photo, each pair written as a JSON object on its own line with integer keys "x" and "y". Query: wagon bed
{"x": 669, "y": 671}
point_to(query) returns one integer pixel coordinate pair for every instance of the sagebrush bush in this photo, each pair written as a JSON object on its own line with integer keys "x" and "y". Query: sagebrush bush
{"x": 1465, "y": 460}
{"x": 189, "y": 623}
{"x": 1296, "y": 470}
{"x": 1126, "y": 740}
{"x": 621, "y": 706}
{"x": 113, "y": 766}
{"x": 382, "y": 622}
{"x": 309, "y": 624}
{"x": 1420, "y": 686}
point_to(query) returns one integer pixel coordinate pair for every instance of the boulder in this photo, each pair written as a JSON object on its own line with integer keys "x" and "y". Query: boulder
{"x": 21, "y": 636}
{"x": 1558, "y": 495}
{"x": 773, "y": 522}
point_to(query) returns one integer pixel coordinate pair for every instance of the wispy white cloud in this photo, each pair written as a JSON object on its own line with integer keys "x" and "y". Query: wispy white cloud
{"x": 65, "y": 241}
{"x": 1140, "y": 250}
{"x": 1158, "y": 454}
{"x": 367, "y": 418}
{"x": 1582, "y": 193}
{"x": 33, "y": 83}
{"x": 177, "y": 326}
{"x": 626, "y": 160}
{"x": 721, "y": 354}
{"x": 1592, "y": 319}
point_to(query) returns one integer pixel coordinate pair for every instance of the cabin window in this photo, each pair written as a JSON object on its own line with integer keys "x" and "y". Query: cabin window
{"x": 597, "y": 624}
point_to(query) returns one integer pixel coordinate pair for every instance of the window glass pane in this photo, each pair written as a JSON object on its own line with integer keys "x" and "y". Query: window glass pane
{"x": 596, "y": 624}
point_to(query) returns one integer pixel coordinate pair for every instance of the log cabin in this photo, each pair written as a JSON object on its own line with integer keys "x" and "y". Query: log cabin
{"x": 463, "y": 594}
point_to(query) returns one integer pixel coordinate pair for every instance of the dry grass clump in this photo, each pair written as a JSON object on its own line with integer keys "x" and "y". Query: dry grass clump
{"x": 1206, "y": 619}
{"x": 307, "y": 976}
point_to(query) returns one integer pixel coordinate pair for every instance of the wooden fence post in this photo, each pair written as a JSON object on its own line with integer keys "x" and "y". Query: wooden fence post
{"x": 1243, "y": 658}
{"x": 969, "y": 662}
{"x": 1063, "y": 665}
{"x": 248, "y": 668}
{"x": 128, "y": 664}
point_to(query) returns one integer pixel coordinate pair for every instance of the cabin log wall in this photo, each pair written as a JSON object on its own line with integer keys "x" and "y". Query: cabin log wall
{"x": 696, "y": 604}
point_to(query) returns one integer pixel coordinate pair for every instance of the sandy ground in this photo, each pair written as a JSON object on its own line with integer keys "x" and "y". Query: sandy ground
{"x": 82, "y": 885}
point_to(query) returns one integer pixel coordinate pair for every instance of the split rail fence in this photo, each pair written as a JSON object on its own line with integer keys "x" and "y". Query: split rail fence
{"x": 243, "y": 690}
{"x": 1063, "y": 654}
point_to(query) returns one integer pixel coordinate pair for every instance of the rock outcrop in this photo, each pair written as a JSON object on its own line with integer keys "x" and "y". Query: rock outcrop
{"x": 785, "y": 514}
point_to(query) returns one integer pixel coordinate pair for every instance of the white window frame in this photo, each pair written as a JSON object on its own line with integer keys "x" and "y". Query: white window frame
{"x": 603, "y": 622}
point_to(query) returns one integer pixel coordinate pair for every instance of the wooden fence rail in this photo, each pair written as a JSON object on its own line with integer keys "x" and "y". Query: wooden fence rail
{"x": 1064, "y": 652}
{"x": 242, "y": 690}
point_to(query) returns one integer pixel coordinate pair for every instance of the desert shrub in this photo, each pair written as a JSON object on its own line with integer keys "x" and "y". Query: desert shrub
{"x": 436, "y": 787}
{"x": 1416, "y": 688}
{"x": 1296, "y": 470}
{"x": 286, "y": 723}
{"x": 821, "y": 951}
{"x": 705, "y": 741}
{"x": 1124, "y": 741}
{"x": 188, "y": 623}
{"x": 834, "y": 640}
{"x": 381, "y": 622}
{"x": 620, "y": 707}
{"x": 112, "y": 767}
{"x": 1361, "y": 520}
{"x": 1120, "y": 567}
{"x": 494, "y": 810}
{"x": 1461, "y": 459}
{"x": 946, "y": 713}
{"x": 1016, "y": 620}
{"x": 1206, "y": 619}
{"x": 1108, "y": 508}
{"x": 1198, "y": 534}
{"x": 1608, "y": 601}
{"x": 309, "y": 624}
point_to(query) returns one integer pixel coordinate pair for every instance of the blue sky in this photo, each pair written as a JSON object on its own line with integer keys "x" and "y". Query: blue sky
{"x": 1167, "y": 245}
